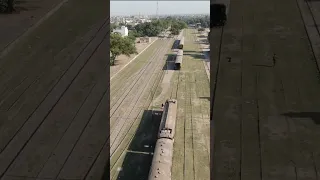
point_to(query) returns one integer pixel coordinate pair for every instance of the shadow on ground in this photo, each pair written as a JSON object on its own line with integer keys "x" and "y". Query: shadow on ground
{"x": 190, "y": 52}
{"x": 202, "y": 36}
{"x": 195, "y": 56}
{"x": 202, "y": 41}
{"x": 207, "y": 98}
{"x": 315, "y": 116}
{"x": 137, "y": 162}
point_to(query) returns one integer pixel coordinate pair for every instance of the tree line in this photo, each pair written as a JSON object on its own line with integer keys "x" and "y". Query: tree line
{"x": 126, "y": 45}
{"x": 204, "y": 21}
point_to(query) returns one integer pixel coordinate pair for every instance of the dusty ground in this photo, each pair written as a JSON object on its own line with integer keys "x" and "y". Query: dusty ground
{"x": 266, "y": 119}
{"x": 122, "y": 60}
{"x": 41, "y": 134}
{"x": 138, "y": 92}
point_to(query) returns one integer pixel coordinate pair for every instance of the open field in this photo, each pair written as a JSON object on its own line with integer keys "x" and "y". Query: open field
{"x": 41, "y": 135}
{"x": 136, "y": 96}
{"x": 265, "y": 118}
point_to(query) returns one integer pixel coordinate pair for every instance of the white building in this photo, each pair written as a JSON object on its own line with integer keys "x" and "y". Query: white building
{"x": 123, "y": 31}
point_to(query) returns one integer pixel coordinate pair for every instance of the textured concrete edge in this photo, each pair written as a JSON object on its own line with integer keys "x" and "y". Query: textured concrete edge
{"x": 312, "y": 42}
{"x": 132, "y": 59}
{"x": 11, "y": 45}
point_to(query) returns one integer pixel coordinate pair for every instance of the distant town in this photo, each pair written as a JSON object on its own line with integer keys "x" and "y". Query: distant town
{"x": 123, "y": 24}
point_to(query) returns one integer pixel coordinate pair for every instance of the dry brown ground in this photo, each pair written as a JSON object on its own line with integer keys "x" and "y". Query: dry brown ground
{"x": 122, "y": 60}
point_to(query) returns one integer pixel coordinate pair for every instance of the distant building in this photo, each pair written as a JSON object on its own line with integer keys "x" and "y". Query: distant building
{"x": 144, "y": 40}
{"x": 123, "y": 31}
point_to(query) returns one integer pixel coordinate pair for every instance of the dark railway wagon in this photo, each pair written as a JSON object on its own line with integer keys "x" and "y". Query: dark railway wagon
{"x": 219, "y": 10}
{"x": 168, "y": 120}
{"x": 181, "y": 43}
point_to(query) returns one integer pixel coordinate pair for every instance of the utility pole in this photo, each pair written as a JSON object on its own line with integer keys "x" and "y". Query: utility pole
{"x": 157, "y": 10}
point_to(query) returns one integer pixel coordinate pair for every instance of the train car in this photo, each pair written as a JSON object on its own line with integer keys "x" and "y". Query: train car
{"x": 219, "y": 10}
{"x": 168, "y": 119}
{"x": 162, "y": 160}
{"x": 178, "y": 61}
{"x": 180, "y": 52}
{"x": 181, "y": 43}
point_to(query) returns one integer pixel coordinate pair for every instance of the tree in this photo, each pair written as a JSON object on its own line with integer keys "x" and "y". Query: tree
{"x": 113, "y": 26}
{"x": 120, "y": 45}
{"x": 132, "y": 36}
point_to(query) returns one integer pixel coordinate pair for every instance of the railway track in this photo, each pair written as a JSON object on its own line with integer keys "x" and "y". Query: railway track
{"x": 148, "y": 74}
{"x": 29, "y": 129}
{"x": 21, "y": 80}
{"x": 131, "y": 110}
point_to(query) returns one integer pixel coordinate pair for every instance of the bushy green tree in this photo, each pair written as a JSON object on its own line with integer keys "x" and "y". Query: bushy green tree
{"x": 120, "y": 45}
{"x": 177, "y": 26}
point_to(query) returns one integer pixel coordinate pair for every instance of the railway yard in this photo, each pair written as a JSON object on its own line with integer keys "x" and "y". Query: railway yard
{"x": 136, "y": 96}
{"x": 53, "y": 93}
{"x": 265, "y": 120}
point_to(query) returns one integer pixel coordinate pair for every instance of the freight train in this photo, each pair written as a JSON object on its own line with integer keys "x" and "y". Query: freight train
{"x": 219, "y": 10}
{"x": 163, "y": 153}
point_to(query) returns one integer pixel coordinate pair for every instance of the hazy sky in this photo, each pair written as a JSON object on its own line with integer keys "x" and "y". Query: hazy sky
{"x": 164, "y": 7}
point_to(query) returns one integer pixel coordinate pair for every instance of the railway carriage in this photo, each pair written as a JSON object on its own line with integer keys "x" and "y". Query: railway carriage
{"x": 181, "y": 43}
{"x": 168, "y": 120}
{"x": 162, "y": 156}
{"x": 162, "y": 160}
{"x": 219, "y": 10}
{"x": 178, "y": 61}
